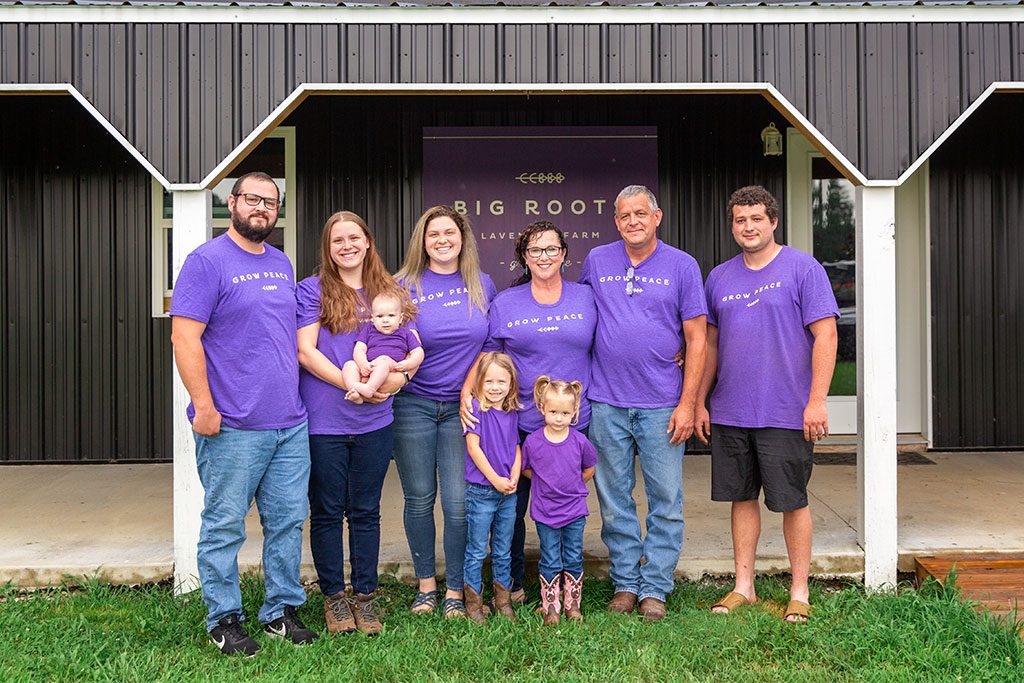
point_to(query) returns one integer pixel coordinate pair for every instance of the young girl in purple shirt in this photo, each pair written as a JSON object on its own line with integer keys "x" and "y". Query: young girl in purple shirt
{"x": 493, "y": 460}
{"x": 559, "y": 461}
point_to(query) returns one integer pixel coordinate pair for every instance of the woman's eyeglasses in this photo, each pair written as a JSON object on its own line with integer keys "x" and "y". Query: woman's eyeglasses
{"x": 537, "y": 252}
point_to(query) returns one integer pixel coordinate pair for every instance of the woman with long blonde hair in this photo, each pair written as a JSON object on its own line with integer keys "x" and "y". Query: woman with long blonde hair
{"x": 442, "y": 273}
{"x": 349, "y": 444}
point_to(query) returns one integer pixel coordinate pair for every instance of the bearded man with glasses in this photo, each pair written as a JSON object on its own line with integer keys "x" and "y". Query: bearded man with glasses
{"x": 650, "y": 299}
{"x": 234, "y": 333}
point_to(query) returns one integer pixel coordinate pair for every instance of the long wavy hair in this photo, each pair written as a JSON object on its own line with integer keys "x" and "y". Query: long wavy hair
{"x": 341, "y": 307}
{"x": 416, "y": 259}
{"x": 523, "y": 242}
{"x": 511, "y": 401}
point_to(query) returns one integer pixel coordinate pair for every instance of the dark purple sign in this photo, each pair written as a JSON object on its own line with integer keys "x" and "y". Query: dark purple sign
{"x": 506, "y": 178}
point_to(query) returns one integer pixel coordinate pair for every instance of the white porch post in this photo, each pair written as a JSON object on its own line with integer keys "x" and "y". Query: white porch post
{"x": 193, "y": 220}
{"x": 876, "y": 382}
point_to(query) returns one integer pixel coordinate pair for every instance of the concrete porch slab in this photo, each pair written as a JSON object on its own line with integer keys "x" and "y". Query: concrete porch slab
{"x": 114, "y": 522}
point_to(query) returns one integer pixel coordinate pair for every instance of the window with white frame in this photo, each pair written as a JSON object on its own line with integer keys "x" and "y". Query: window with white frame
{"x": 275, "y": 156}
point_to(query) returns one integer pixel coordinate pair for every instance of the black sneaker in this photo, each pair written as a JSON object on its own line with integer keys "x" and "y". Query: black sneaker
{"x": 289, "y": 626}
{"x": 229, "y": 637}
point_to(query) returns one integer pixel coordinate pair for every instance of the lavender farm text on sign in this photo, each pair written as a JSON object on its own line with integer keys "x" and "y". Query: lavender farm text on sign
{"x": 504, "y": 178}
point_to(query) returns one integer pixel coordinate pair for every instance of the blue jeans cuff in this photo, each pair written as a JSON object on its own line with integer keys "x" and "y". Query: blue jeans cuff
{"x": 651, "y": 594}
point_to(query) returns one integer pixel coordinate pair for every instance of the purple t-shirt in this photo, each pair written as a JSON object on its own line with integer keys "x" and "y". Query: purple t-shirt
{"x": 558, "y": 494}
{"x": 453, "y": 331}
{"x": 499, "y": 436}
{"x": 247, "y": 302}
{"x": 639, "y": 336}
{"x": 329, "y": 412}
{"x": 395, "y": 346}
{"x": 545, "y": 339}
{"x": 764, "y": 346}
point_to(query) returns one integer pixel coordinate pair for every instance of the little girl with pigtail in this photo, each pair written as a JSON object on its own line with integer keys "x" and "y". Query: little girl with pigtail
{"x": 559, "y": 462}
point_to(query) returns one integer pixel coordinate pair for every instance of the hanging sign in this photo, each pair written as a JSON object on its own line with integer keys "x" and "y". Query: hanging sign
{"x": 505, "y": 178}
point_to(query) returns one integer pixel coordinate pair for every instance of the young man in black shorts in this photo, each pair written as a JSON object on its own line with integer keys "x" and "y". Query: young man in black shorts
{"x": 772, "y": 343}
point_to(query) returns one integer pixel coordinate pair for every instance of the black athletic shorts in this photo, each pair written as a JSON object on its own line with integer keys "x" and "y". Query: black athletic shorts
{"x": 745, "y": 460}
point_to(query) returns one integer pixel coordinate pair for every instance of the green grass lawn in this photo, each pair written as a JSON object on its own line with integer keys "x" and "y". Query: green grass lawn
{"x": 844, "y": 379}
{"x": 103, "y": 633}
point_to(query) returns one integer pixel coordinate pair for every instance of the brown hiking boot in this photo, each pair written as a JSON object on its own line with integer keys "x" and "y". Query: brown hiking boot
{"x": 652, "y": 609}
{"x": 366, "y": 617}
{"x": 503, "y": 602}
{"x": 622, "y": 602}
{"x": 572, "y": 594}
{"x": 338, "y": 614}
{"x": 518, "y": 596}
{"x": 474, "y": 605}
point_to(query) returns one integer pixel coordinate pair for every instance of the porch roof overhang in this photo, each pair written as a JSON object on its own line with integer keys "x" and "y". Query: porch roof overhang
{"x": 876, "y": 87}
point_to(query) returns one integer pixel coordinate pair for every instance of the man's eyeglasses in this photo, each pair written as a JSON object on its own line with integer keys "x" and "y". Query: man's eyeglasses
{"x": 629, "y": 281}
{"x": 550, "y": 252}
{"x": 255, "y": 199}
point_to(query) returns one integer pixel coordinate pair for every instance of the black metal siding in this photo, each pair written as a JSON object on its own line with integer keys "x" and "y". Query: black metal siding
{"x": 186, "y": 95}
{"x": 86, "y": 371}
{"x": 977, "y": 248}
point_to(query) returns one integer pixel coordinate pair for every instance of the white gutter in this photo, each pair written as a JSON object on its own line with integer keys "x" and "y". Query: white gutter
{"x": 174, "y": 14}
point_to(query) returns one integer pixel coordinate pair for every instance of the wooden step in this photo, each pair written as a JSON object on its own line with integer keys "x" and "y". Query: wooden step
{"x": 995, "y": 582}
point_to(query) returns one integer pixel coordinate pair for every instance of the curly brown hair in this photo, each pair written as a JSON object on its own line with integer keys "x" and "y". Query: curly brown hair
{"x": 523, "y": 241}
{"x": 752, "y": 195}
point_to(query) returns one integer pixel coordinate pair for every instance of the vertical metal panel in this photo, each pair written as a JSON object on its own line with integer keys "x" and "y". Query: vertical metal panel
{"x": 731, "y": 50}
{"x": 681, "y": 53}
{"x": 833, "y": 97}
{"x": 935, "y": 69}
{"x": 86, "y": 371}
{"x": 784, "y": 60}
{"x": 977, "y": 282}
{"x": 885, "y": 74}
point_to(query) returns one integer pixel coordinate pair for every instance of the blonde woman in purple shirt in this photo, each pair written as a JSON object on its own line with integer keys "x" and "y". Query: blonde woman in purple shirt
{"x": 442, "y": 273}
{"x": 559, "y": 461}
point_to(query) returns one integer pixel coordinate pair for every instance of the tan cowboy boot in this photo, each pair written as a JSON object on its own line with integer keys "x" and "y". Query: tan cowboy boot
{"x": 572, "y": 593}
{"x": 503, "y": 602}
{"x": 474, "y": 605}
{"x": 550, "y": 600}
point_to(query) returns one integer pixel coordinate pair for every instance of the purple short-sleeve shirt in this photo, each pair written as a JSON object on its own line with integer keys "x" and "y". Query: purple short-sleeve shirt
{"x": 329, "y": 412}
{"x": 499, "y": 437}
{"x": 764, "y": 346}
{"x": 395, "y": 346}
{"x": 453, "y": 331}
{"x": 247, "y": 302}
{"x": 639, "y": 335}
{"x": 545, "y": 339}
{"x": 558, "y": 494}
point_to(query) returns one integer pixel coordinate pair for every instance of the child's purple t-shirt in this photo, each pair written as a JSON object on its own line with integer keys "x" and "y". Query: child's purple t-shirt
{"x": 453, "y": 331}
{"x": 545, "y": 339}
{"x": 395, "y": 346}
{"x": 764, "y": 346}
{"x": 499, "y": 436}
{"x": 558, "y": 494}
{"x": 639, "y": 336}
{"x": 329, "y": 412}
{"x": 247, "y": 302}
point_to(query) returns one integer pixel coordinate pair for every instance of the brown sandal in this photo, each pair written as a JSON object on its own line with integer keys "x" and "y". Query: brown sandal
{"x": 730, "y": 602}
{"x": 796, "y": 608}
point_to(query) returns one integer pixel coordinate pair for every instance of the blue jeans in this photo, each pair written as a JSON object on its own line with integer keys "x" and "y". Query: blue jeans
{"x": 619, "y": 434}
{"x": 519, "y": 535}
{"x": 561, "y": 550}
{"x": 431, "y": 450}
{"x": 488, "y": 514}
{"x": 236, "y": 466}
{"x": 346, "y": 479}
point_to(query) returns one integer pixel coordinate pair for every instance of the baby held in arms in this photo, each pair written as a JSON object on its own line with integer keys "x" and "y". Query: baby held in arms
{"x": 386, "y": 346}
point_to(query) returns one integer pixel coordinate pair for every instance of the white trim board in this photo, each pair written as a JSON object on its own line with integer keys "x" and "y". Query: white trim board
{"x": 227, "y": 14}
{"x": 769, "y": 91}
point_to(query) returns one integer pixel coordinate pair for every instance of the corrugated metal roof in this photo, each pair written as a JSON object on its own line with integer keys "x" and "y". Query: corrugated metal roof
{"x": 514, "y": 3}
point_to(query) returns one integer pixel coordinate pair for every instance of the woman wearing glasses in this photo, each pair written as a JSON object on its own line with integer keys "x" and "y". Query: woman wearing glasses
{"x": 546, "y": 325}
{"x": 442, "y": 272}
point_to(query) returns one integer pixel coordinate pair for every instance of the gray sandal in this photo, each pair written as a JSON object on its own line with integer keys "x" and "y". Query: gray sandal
{"x": 453, "y": 608}
{"x": 425, "y": 599}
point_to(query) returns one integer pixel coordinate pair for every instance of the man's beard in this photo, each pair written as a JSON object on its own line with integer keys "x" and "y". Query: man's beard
{"x": 246, "y": 229}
